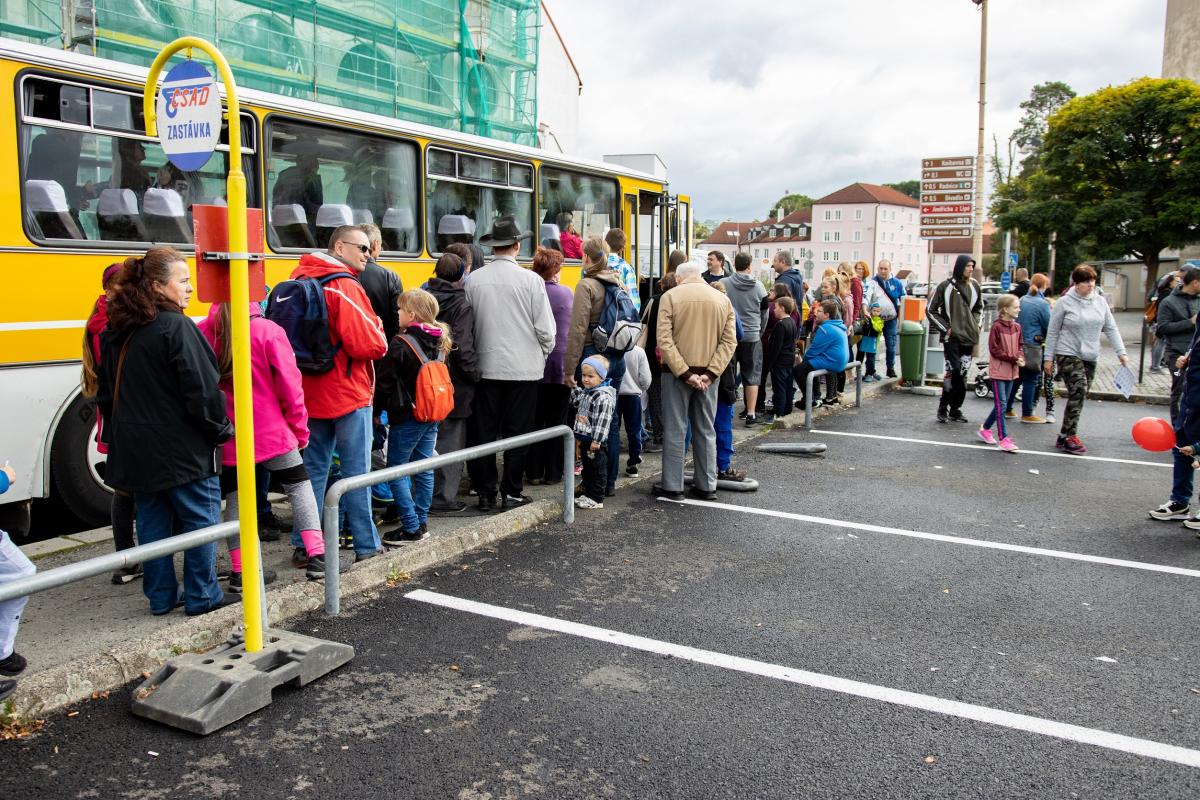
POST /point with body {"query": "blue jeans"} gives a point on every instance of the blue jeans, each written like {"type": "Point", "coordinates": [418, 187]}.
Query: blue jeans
{"type": "Point", "coordinates": [891, 339]}
{"type": "Point", "coordinates": [13, 565]}
{"type": "Point", "coordinates": [723, 425]}
{"type": "Point", "coordinates": [170, 512]}
{"type": "Point", "coordinates": [1031, 381]}
{"type": "Point", "coordinates": [629, 409]}
{"type": "Point", "coordinates": [1183, 479]}
{"type": "Point", "coordinates": [1001, 389]}
{"type": "Point", "coordinates": [411, 441]}
{"type": "Point", "coordinates": [350, 435]}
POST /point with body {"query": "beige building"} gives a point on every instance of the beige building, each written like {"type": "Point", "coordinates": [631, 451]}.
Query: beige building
{"type": "Point", "coordinates": [1181, 57]}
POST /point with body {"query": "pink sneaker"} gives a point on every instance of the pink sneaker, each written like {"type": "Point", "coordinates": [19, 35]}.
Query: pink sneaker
{"type": "Point", "coordinates": [987, 436]}
{"type": "Point", "coordinates": [1008, 445]}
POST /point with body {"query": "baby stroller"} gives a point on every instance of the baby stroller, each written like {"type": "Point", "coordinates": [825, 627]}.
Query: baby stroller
{"type": "Point", "coordinates": [983, 384]}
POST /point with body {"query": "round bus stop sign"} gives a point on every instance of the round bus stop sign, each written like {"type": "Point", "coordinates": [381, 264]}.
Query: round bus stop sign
{"type": "Point", "coordinates": [189, 115]}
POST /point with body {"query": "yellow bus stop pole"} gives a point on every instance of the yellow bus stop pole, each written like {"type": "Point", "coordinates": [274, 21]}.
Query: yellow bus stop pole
{"type": "Point", "coordinates": [239, 304]}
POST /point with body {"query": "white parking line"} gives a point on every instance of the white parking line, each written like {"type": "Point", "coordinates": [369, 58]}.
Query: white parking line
{"type": "Point", "coordinates": [816, 680]}
{"type": "Point", "coordinates": [941, 537]}
{"type": "Point", "coordinates": [993, 449]}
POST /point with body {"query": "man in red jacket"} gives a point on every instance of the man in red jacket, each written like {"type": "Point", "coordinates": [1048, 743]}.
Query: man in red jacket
{"type": "Point", "coordinates": [339, 401]}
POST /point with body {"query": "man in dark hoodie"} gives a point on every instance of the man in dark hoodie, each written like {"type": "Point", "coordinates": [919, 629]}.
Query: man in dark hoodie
{"type": "Point", "coordinates": [383, 289]}
{"type": "Point", "coordinates": [446, 286]}
{"type": "Point", "coordinates": [1175, 326]}
{"type": "Point", "coordinates": [954, 310]}
{"type": "Point", "coordinates": [749, 299]}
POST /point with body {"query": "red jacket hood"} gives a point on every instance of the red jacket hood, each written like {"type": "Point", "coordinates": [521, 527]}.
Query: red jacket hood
{"type": "Point", "coordinates": [318, 265]}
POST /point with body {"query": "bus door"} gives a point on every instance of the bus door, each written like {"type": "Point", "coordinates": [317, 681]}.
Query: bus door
{"type": "Point", "coordinates": [649, 230]}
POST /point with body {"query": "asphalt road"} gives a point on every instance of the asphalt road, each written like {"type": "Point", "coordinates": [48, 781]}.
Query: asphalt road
{"type": "Point", "coordinates": [470, 704]}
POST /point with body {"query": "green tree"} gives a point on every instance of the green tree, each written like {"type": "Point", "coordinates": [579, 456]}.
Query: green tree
{"type": "Point", "coordinates": [790, 203]}
{"type": "Point", "coordinates": [910, 188]}
{"type": "Point", "coordinates": [1044, 101]}
{"type": "Point", "coordinates": [1117, 173]}
{"type": "Point", "coordinates": [700, 231]}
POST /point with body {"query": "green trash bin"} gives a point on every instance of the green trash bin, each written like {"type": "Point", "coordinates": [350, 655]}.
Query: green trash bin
{"type": "Point", "coordinates": [912, 351]}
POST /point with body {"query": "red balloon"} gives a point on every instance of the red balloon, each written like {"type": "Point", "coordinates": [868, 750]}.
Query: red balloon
{"type": "Point", "coordinates": [1154, 434]}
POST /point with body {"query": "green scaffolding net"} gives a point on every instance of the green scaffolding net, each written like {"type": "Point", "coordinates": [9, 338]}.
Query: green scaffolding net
{"type": "Point", "coordinates": [468, 65]}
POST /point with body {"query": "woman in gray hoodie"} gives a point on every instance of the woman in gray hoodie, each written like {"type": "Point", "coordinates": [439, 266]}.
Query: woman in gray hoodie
{"type": "Point", "coordinates": [1073, 341]}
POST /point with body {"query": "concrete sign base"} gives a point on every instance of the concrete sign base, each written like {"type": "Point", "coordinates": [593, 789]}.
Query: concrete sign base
{"type": "Point", "coordinates": [204, 692]}
{"type": "Point", "coordinates": [798, 448]}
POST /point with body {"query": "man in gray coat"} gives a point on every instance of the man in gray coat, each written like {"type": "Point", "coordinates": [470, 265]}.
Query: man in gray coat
{"type": "Point", "coordinates": [1175, 325]}
{"type": "Point", "coordinates": [514, 332]}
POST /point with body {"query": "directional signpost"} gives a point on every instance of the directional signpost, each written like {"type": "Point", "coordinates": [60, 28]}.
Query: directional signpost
{"type": "Point", "coordinates": [947, 197]}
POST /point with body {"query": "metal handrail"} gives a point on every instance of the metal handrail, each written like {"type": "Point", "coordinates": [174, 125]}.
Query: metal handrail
{"type": "Point", "coordinates": [61, 576]}
{"type": "Point", "coordinates": [333, 497]}
{"type": "Point", "coordinates": [816, 373]}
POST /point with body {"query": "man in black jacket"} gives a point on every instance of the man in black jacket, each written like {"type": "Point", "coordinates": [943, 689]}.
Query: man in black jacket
{"type": "Point", "coordinates": [1175, 326]}
{"type": "Point", "coordinates": [955, 308]}
{"type": "Point", "coordinates": [454, 310]}
{"type": "Point", "coordinates": [383, 288]}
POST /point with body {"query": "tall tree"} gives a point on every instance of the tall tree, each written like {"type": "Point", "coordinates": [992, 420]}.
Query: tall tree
{"type": "Point", "coordinates": [1124, 164]}
{"type": "Point", "coordinates": [790, 203]}
{"type": "Point", "coordinates": [700, 231]}
{"type": "Point", "coordinates": [910, 188]}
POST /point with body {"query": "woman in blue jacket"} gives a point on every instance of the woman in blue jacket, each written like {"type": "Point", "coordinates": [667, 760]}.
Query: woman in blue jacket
{"type": "Point", "coordinates": [829, 348]}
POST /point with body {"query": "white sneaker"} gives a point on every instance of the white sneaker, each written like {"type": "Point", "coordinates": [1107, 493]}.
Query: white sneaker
{"type": "Point", "coordinates": [1049, 419]}
{"type": "Point", "coordinates": [1192, 523]}
{"type": "Point", "coordinates": [587, 502]}
{"type": "Point", "coordinates": [1171, 510]}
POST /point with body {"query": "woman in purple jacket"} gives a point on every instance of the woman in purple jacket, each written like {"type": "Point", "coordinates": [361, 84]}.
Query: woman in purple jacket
{"type": "Point", "coordinates": [544, 463]}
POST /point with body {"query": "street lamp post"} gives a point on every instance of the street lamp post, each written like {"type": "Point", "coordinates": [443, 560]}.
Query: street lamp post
{"type": "Point", "coordinates": [977, 237]}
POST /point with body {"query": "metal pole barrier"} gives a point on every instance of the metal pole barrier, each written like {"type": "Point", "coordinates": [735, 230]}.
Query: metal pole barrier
{"type": "Point", "coordinates": [808, 395]}
{"type": "Point", "coordinates": [333, 496]}
{"type": "Point", "coordinates": [61, 576]}
{"type": "Point", "coordinates": [858, 380]}
{"type": "Point", "coordinates": [569, 478]}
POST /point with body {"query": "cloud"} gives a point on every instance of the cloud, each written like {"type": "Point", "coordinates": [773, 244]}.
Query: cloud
{"type": "Point", "coordinates": [745, 101]}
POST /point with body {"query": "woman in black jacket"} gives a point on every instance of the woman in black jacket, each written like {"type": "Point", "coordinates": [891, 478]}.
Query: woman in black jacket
{"type": "Point", "coordinates": [166, 418]}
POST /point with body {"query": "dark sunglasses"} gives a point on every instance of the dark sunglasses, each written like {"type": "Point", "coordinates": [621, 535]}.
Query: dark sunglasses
{"type": "Point", "coordinates": [362, 248]}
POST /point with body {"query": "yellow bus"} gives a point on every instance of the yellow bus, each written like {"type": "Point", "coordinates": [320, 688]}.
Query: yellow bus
{"type": "Point", "coordinates": [88, 188]}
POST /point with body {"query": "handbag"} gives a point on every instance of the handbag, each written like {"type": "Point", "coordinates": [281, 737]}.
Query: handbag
{"type": "Point", "coordinates": [1033, 356]}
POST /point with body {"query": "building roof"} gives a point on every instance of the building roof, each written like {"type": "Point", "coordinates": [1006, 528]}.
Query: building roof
{"type": "Point", "coordinates": [960, 244]}
{"type": "Point", "coordinates": [868, 193]}
{"type": "Point", "coordinates": [728, 233]}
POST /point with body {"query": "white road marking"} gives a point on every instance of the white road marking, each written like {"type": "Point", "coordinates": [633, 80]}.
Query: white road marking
{"type": "Point", "coordinates": [816, 680]}
{"type": "Point", "coordinates": [993, 449]}
{"type": "Point", "coordinates": [941, 537]}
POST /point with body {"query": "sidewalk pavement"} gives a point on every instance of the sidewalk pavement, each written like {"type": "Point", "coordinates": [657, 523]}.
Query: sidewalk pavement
{"type": "Point", "coordinates": [92, 636]}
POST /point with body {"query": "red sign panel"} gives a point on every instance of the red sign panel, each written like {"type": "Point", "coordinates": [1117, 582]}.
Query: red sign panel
{"type": "Point", "coordinates": [212, 236]}
{"type": "Point", "coordinates": [947, 208]}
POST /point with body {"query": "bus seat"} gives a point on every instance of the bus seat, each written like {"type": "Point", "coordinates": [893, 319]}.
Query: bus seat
{"type": "Point", "coordinates": [47, 201]}
{"type": "Point", "coordinates": [330, 217]}
{"type": "Point", "coordinates": [455, 228]}
{"type": "Point", "coordinates": [399, 230]}
{"type": "Point", "coordinates": [548, 231]}
{"type": "Point", "coordinates": [362, 215]}
{"type": "Point", "coordinates": [165, 218]}
{"type": "Point", "coordinates": [291, 226]}
{"type": "Point", "coordinates": [118, 216]}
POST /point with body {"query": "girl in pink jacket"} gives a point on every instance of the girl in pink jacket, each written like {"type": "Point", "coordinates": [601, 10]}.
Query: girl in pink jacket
{"type": "Point", "coordinates": [280, 433]}
{"type": "Point", "coordinates": [1005, 358]}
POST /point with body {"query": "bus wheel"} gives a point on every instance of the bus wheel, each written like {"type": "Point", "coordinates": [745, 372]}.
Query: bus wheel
{"type": "Point", "coordinates": [77, 467]}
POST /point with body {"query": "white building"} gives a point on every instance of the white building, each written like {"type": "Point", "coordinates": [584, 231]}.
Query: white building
{"type": "Point", "coordinates": [791, 234]}
{"type": "Point", "coordinates": [728, 238]}
{"type": "Point", "coordinates": [865, 222]}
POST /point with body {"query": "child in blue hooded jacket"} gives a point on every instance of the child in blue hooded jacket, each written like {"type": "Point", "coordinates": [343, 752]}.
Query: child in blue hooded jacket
{"type": "Point", "coordinates": [829, 348]}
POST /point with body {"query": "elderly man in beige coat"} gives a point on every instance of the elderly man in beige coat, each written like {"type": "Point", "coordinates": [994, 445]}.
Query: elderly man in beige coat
{"type": "Point", "coordinates": [697, 337]}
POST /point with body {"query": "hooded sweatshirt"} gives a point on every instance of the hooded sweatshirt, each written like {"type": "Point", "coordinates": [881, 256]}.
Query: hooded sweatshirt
{"type": "Point", "coordinates": [748, 297]}
{"type": "Point", "coordinates": [1174, 321]}
{"type": "Point", "coordinates": [1075, 326]}
{"type": "Point", "coordinates": [456, 312]}
{"type": "Point", "coordinates": [585, 312]}
{"type": "Point", "coordinates": [355, 330]}
{"type": "Point", "coordinates": [830, 346]}
{"type": "Point", "coordinates": [956, 306]}
{"type": "Point", "coordinates": [280, 419]}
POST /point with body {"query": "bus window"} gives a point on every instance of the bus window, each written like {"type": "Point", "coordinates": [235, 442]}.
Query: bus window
{"type": "Point", "coordinates": [89, 173]}
{"type": "Point", "coordinates": [319, 178]}
{"type": "Point", "coordinates": [586, 203]}
{"type": "Point", "coordinates": [466, 193]}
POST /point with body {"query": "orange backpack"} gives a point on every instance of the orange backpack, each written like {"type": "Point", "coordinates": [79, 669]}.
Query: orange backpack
{"type": "Point", "coordinates": [433, 399]}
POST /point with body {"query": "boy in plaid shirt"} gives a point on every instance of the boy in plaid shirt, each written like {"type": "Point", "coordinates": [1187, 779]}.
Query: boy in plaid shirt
{"type": "Point", "coordinates": [595, 400]}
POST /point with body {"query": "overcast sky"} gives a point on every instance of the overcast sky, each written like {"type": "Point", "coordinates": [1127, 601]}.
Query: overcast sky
{"type": "Point", "coordinates": [746, 101]}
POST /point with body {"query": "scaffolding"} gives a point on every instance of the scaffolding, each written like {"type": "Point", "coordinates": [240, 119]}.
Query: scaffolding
{"type": "Point", "coordinates": [468, 65]}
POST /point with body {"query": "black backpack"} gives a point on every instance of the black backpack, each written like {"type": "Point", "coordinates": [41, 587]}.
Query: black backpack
{"type": "Point", "coordinates": [298, 306]}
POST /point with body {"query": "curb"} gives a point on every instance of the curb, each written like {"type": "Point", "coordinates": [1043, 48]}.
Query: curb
{"type": "Point", "coordinates": [84, 678]}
